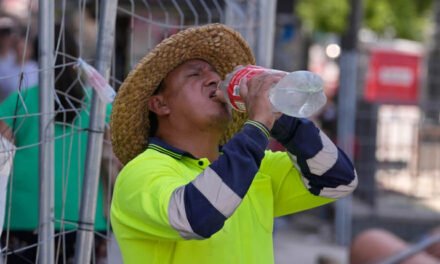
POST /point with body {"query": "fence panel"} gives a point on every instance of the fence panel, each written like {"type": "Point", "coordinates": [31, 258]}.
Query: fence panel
{"type": "Point", "coordinates": [140, 25]}
{"type": "Point", "coordinates": [397, 158]}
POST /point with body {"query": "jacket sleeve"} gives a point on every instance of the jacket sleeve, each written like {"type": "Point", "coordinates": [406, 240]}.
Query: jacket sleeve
{"type": "Point", "coordinates": [164, 204]}
{"type": "Point", "coordinates": [200, 208]}
{"type": "Point", "coordinates": [325, 169]}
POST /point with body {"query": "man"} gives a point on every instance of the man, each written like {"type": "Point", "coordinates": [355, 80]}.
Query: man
{"type": "Point", "coordinates": [181, 199]}
{"type": "Point", "coordinates": [8, 36]}
{"type": "Point", "coordinates": [19, 119]}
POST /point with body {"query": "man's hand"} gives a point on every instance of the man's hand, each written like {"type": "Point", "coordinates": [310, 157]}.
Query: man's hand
{"type": "Point", "coordinates": [255, 93]}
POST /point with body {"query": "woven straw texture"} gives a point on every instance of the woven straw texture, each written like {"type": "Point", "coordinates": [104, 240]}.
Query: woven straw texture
{"type": "Point", "coordinates": [217, 44]}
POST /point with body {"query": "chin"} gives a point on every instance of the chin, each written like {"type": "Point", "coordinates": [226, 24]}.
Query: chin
{"type": "Point", "coordinates": [220, 116]}
{"type": "Point", "coordinates": [227, 111]}
{"type": "Point", "coordinates": [227, 115]}
{"type": "Point", "coordinates": [221, 121]}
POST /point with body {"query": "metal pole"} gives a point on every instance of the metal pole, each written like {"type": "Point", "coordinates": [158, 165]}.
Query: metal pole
{"type": "Point", "coordinates": [347, 114]}
{"type": "Point", "coordinates": [46, 20]}
{"type": "Point", "coordinates": [432, 92]}
{"type": "Point", "coordinates": [106, 32]}
{"type": "Point", "coordinates": [409, 252]}
{"type": "Point", "coordinates": [234, 16]}
{"type": "Point", "coordinates": [266, 34]}
{"type": "Point", "coordinates": [229, 13]}
{"type": "Point", "coordinates": [255, 20]}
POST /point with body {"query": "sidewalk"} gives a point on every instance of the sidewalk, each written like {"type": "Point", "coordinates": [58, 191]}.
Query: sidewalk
{"type": "Point", "coordinates": [296, 243]}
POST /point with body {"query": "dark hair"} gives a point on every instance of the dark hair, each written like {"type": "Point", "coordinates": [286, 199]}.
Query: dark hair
{"type": "Point", "coordinates": [68, 90]}
{"type": "Point", "coordinates": [5, 32]}
{"type": "Point", "coordinates": [8, 24]}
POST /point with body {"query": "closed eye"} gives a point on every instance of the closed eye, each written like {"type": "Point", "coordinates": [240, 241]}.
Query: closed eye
{"type": "Point", "coordinates": [194, 74]}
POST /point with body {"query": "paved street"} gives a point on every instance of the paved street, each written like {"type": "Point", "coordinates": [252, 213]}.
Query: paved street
{"type": "Point", "coordinates": [295, 245]}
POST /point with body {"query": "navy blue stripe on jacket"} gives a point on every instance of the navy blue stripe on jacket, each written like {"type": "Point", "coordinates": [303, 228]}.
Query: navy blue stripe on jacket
{"type": "Point", "coordinates": [326, 170]}
{"type": "Point", "coordinates": [199, 209]}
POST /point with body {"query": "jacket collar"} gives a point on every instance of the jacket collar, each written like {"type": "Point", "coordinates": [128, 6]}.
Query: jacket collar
{"type": "Point", "coordinates": [163, 147]}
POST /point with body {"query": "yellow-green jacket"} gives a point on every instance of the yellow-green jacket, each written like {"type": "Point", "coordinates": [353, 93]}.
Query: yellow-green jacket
{"type": "Point", "coordinates": [171, 207]}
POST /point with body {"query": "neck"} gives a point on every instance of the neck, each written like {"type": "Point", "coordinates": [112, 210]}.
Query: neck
{"type": "Point", "coordinates": [201, 144]}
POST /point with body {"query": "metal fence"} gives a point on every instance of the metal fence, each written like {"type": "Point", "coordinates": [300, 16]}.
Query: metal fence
{"type": "Point", "coordinates": [112, 36]}
{"type": "Point", "coordinates": [396, 151]}
{"type": "Point", "coordinates": [399, 168]}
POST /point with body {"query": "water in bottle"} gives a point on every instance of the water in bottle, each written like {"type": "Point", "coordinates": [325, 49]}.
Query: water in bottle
{"type": "Point", "coordinates": [298, 94]}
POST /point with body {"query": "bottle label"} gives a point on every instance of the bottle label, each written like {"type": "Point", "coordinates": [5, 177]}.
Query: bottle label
{"type": "Point", "coordinates": [233, 88]}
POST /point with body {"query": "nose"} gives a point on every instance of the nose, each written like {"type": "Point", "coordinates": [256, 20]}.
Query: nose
{"type": "Point", "coordinates": [212, 79]}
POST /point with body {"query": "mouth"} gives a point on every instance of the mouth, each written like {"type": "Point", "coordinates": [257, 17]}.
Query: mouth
{"type": "Point", "coordinates": [212, 95]}
{"type": "Point", "coordinates": [218, 97]}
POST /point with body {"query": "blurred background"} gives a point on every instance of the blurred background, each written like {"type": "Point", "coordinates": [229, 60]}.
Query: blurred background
{"type": "Point", "coordinates": [380, 60]}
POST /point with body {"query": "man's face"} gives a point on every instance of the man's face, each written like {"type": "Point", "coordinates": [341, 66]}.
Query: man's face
{"type": "Point", "coordinates": [190, 94]}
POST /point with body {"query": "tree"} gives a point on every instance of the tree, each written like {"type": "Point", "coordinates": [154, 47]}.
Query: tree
{"type": "Point", "coordinates": [405, 18]}
{"type": "Point", "coordinates": [323, 16]}
{"type": "Point", "coordinates": [402, 19]}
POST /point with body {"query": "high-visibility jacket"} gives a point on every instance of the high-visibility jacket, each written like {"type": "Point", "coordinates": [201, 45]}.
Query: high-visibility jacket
{"type": "Point", "coordinates": [171, 207]}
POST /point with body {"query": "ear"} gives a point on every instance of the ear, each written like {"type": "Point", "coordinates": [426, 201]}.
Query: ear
{"type": "Point", "coordinates": [158, 105]}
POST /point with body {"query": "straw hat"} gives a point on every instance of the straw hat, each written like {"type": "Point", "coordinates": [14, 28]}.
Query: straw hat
{"type": "Point", "coordinates": [219, 45]}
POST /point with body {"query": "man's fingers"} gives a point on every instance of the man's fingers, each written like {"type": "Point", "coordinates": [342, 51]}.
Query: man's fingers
{"type": "Point", "coordinates": [264, 82]}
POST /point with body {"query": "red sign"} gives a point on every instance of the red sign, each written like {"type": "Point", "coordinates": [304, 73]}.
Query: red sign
{"type": "Point", "coordinates": [393, 77]}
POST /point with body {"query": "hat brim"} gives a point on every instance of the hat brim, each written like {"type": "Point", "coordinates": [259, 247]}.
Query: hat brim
{"type": "Point", "coordinates": [219, 45]}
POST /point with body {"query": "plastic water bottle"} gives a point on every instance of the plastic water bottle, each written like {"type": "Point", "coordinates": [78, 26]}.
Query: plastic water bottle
{"type": "Point", "coordinates": [298, 93]}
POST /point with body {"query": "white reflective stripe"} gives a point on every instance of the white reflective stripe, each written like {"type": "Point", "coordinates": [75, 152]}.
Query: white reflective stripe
{"type": "Point", "coordinates": [341, 190]}
{"type": "Point", "coordinates": [325, 158]}
{"type": "Point", "coordinates": [337, 192]}
{"type": "Point", "coordinates": [177, 215]}
{"type": "Point", "coordinates": [294, 160]}
{"type": "Point", "coordinates": [223, 198]}
{"type": "Point", "coordinates": [305, 181]}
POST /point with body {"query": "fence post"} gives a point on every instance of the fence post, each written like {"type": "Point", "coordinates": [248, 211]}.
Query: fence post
{"type": "Point", "coordinates": [347, 114]}
{"type": "Point", "coordinates": [244, 16]}
{"type": "Point", "coordinates": [266, 34]}
{"type": "Point", "coordinates": [46, 18]}
{"type": "Point", "coordinates": [106, 32]}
